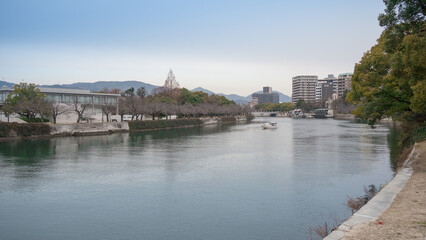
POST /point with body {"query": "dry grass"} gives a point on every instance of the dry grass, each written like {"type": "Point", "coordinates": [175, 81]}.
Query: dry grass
{"type": "Point", "coordinates": [323, 230]}
{"type": "Point", "coordinates": [354, 204]}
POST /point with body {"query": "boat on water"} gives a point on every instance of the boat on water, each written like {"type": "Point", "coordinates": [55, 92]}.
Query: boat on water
{"type": "Point", "coordinates": [268, 125]}
{"type": "Point", "coordinates": [297, 113]}
{"type": "Point", "coordinates": [323, 113]}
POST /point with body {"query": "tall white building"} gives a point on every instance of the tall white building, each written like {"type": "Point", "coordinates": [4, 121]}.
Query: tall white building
{"type": "Point", "coordinates": [303, 87]}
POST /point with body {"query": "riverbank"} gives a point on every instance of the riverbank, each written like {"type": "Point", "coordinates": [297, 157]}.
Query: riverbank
{"type": "Point", "coordinates": [344, 116]}
{"type": "Point", "coordinates": [10, 131]}
{"type": "Point", "coordinates": [398, 211]}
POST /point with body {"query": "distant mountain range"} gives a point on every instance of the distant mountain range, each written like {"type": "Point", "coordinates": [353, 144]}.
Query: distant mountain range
{"type": "Point", "coordinates": [98, 86]}
{"type": "Point", "coordinates": [124, 85]}
{"type": "Point", "coordinates": [240, 99]}
{"type": "Point", "coordinates": [7, 84]}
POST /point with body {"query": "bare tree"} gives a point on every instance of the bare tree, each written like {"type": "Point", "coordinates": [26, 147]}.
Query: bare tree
{"type": "Point", "coordinates": [247, 109]}
{"type": "Point", "coordinates": [133, 104]}
{"type": "Point", "coordinates": [141, 107]}
{"type": "Point", "coordinates": [170, 82]}
{"type": "Point", "coordinates": [107, 109]}
{"type": "Point", "coordinates": [122, 107]}
{"type": "Point", "coordinates": [154, 109]}
{"type": "Point", "coordinates": [37, 106]}
{"type": "Point", "coordinates": [57, 109]}
{"type": "Point", "coordinates": [168, 109]}
{"type": "Point", "coordinates": [79, 108]}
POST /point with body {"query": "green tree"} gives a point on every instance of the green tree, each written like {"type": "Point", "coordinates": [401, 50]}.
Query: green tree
{"type": "Point", "coordinates": [305, 106]}
{"type": "Point", "coordinates": [129, 92]}
{"type": "Point", "coordinates": [277, 107]}
{"type": "Point", "coordinates": [27, 101]}
{"type": "Point", "coordinates": [300, 103]}
{"type": "Point", "coordinates": [389, 81]}
{"type": "Point", "coordinates": [219, 100]}
{"type": "Point", "coordinates": [191, 98]}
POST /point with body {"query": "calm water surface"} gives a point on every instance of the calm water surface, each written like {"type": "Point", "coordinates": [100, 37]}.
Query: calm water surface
{"type": "Point", "coordinates": [211, 182]}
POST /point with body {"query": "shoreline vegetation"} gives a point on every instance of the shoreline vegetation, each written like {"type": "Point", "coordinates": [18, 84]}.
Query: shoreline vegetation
{"type": "Point", "coordinates": [14, 131]}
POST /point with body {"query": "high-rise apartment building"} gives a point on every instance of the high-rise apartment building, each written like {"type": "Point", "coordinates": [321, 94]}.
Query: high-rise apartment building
{"type": "Point", "coordinates": [303, 87]}
{"type": "Point", "coordinates": [322, 89]}
{"type": "Point", "coordinates": [342, 83]}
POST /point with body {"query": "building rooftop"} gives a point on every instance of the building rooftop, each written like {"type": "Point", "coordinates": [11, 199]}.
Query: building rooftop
{"type": "Point", "coordinates": [63, 91]}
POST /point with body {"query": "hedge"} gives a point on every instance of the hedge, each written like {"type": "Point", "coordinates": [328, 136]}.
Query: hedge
{"type": "Point", "coordinates": [250, 117]}
{"type": "Point", "coordinates": [37, 120]}
{"type": "Point", "coordinates": [157, 124]}
{"type": "Point", "coordinates": [23, 129]}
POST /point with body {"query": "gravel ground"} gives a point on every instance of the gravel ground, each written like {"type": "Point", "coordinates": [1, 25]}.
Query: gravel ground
{"type": "Point", "coordinates": [406, 217]}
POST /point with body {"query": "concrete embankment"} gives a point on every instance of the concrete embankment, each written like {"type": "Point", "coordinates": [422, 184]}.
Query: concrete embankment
{"type": "Point", "coordinates": [216, 120]}
{"type": "Point", "coordinates": [344, 117]}
{"type": "Point", "coordinates": [107, 128]}
{"type": "Point", "coordinates": [24, 130]}
{"type": "Point", "coordinates": [81, 129]}
{"type": "Point", "coordinates": [398, 211]}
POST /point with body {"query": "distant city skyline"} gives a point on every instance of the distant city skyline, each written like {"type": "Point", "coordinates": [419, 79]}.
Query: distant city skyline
{"type": "Point", "coordinates": [224, 46]}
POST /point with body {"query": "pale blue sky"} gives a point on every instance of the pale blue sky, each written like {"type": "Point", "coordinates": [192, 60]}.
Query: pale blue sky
{"type": "Point", "coordinates": [225, 46]}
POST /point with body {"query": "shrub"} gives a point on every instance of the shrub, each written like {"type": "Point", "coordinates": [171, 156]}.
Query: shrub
{"type": "Point", "coordinates": [4, 129]}
{"type": "Point", "coordinates": [250, 117]}
{"type": "Point", "coordinates": [24, 129]}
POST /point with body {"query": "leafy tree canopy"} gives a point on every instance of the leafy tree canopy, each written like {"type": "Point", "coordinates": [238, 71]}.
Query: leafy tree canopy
{"type": "Point", "coordinates": [278, 107]}
{"type": "Point", "coordinates": [193, 98]}
{"type": "Point", "coordinates": [389, 81]}
{"type": "Point", "coordinates": [27, 101]}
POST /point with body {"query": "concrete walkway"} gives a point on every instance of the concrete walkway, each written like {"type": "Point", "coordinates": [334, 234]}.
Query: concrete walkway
{"type": "Point", "coordinates": [376, 206]}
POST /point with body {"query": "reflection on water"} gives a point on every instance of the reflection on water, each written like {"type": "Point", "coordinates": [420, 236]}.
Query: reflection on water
{"type": "Point", "coordinates": [211, 182]}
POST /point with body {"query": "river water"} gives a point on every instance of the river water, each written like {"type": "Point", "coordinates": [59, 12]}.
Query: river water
{"type": "Point", "coordinates": [211, 182]}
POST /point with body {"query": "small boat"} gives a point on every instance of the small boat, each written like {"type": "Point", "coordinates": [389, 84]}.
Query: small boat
{"type": "Point", "coordinates": [268, 125]}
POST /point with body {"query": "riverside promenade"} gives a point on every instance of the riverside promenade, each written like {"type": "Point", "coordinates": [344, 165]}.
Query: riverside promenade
{"type": "Point", "coordinates": [398, 211]}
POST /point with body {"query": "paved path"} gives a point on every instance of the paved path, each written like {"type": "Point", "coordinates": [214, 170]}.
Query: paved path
{"type": "Point", "coordinates": [368, 216]}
